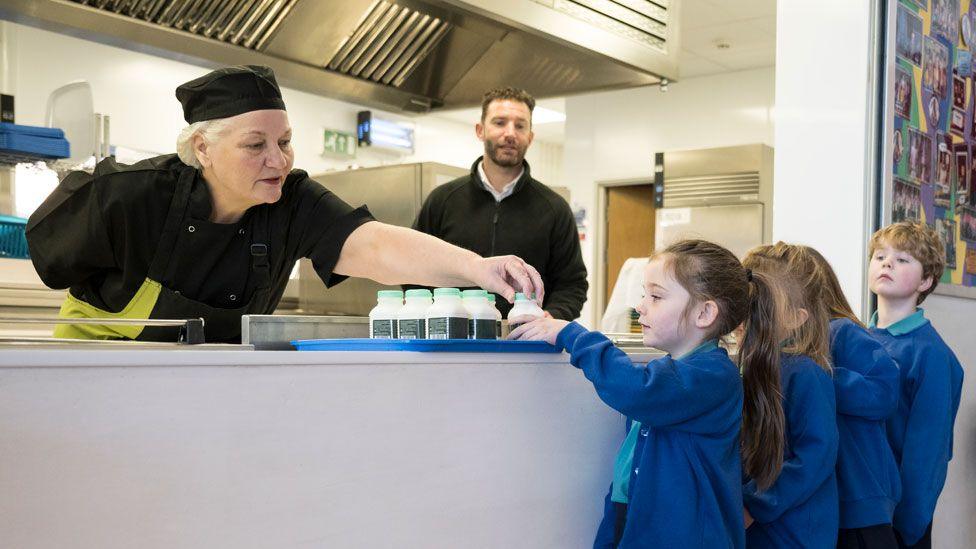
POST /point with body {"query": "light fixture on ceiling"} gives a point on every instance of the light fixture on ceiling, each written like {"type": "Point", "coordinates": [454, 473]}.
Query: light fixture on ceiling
{"type": "Point", "coordinates": [542, 115]}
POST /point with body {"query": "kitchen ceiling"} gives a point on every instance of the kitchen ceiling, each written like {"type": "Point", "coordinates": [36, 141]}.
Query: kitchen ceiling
{"type": "Point", "coordinates": [748, 27]}
{"type": "Point", "coordinates": [409, 55]}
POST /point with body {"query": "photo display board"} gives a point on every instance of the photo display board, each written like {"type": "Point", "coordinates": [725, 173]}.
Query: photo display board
{"type": "Point", "coordinates": [930, 128]}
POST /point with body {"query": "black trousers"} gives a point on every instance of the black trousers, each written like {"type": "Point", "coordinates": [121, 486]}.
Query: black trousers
{"type": "Point", "coordinates": [620, 523]}
{"type": "Point", "coordinates": [924, 543]}
{"type": "Point", "coordinates": [881, 536]}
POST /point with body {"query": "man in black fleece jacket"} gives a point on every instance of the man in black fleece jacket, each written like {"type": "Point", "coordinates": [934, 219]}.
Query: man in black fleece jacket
{"type": "Point", "coordinates": [499, 209]}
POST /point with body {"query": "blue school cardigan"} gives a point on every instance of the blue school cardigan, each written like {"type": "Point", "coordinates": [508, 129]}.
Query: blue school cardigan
{"type": "Point", "coordinates": [685, 490]}
{"type": "Point", "coordinates": [866, 383]}
{"type": "Point", "coordinates": [800, 508]}
{"type": "Point", "coordinates": [920, 431]}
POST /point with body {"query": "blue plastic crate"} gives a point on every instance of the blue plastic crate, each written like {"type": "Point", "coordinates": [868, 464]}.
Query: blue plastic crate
{"type": "Point", "coordinates": [13, 239]}
{"type": "Point", "coordinates": [27, 143]}
{"type": "Point", "coordinates": [426, 345]}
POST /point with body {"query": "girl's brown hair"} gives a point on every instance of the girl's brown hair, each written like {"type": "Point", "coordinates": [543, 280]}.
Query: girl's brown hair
{"type": "Point", "coordinates": [814, 269]}
{"type": "Point", "coordinates": [797, 286]}
{"type": "Point", "coordinates": [794, 273]}
{"type": "Point", "coordinates": [710, 272]}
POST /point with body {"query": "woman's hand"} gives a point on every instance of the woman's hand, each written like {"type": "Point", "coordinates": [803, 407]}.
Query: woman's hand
{"type": "Point", "coordinates": [507, 274]}
{"type": "Point", "coordinates": [748, 518]}
{"type": "Point", "coordinates": [397, 255]}
{"type": "Point", "coordinates": [540, 329]}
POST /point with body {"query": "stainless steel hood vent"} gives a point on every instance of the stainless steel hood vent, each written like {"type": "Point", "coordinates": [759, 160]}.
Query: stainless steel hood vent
{"type": "Point", "coordinates": [398, 55]}
{"type": "Point", "coordinates": [639, 20]}
{"type": "Point", "coordinates": [389, 43]}
{"type": "Point", "coordinates": [247, 23]}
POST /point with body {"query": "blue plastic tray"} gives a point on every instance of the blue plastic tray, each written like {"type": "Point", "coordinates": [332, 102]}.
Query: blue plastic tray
{"type": "Point", "coordinates": [426, 345]}
{"type": "Point", "coordinates": [13, 240]}
{"type": "Point", "coordinates": [39, 131]}
{"type": "Point", "coordinates": [33, 141]}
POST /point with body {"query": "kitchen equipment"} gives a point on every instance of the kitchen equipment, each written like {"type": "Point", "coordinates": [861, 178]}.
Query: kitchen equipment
{"type": "Point", "coordinates": [13, 240]}
{"type": "Point", "coordinates": [191, 330]}
{"type": "Point", "coordinates": [724, 195]}
{"type": "Point", "coordinates": [401, 55]}
{"type": "Point", "coordinates": [276, 332]}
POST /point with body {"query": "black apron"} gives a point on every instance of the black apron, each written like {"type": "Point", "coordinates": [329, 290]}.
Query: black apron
{"type": "Point", "coordinates": [220, 325]}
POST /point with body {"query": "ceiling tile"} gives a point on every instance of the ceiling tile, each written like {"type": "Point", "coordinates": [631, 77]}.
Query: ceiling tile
{"type": "Point", "coordinates": [741, 37]}
{"type": "Point", "coordinates": [691, 65]}
{"type": "Point", "coordinates": [766, 24]}
{"type": "Point", "coordinates": [701, 13]}
{"type": "Point", "coordinates": [743, 9]}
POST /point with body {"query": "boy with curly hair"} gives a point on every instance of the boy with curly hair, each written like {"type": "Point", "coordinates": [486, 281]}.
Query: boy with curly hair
{"type": "Point", "coordinates": [907, 260]}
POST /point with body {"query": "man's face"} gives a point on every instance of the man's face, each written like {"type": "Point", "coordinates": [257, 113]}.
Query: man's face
{"type": "Point", "coordinates": [506, 132]}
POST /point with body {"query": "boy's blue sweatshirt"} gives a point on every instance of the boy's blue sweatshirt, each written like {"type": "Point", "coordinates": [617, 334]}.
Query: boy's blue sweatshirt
{"type": "Point", "coordinates": [866, 384]}
{"type": "Point", "coordinates": [685, 490]}
{"type": "Point", "coordinates": [920, 431]}
{"type": "Point", "coordinates": [800, 508]}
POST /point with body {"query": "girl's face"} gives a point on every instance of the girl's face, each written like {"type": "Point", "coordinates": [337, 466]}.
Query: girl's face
{"type": "Point", "coordinates": [663, 309]}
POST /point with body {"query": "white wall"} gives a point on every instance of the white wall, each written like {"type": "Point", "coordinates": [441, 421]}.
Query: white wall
{"type": "Point", "coordinates": [821, 117]}
{"type": "Point", "coordinates": [821, 120]}
{"type": "Point", "coordinates": [614, 135]}
{"type": "Point", "coordinates": [137, 91]}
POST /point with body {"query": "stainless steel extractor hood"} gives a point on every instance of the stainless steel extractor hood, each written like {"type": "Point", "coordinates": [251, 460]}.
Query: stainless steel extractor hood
{"type": "Point", "coordinates": [401, 55]}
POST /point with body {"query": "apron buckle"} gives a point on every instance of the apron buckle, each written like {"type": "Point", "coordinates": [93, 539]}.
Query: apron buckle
{"type": "Point", "coordinates": [259, 249]}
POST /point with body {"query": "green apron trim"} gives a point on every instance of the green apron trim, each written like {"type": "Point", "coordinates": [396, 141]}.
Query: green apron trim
{"type": "Point", "coordinates": [139, 307]}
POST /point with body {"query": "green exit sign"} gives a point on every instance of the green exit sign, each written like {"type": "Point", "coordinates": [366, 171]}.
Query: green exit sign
{"type": "Point", "coordinates": [338, 143]}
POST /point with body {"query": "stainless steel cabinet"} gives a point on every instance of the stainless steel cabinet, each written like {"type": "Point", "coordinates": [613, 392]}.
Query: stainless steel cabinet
{"type": "Point", "coordinates": [394, 195]}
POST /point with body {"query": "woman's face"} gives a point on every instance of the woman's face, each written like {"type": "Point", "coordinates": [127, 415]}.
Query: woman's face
{"type": "Point", "coordinates": [248, 164]}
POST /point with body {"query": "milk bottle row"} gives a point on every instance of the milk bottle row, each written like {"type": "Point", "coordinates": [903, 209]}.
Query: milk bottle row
{"type": "Point", "coordinates": [452, 314]}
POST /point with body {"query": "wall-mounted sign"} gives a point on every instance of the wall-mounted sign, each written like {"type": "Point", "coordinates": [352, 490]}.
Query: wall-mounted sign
{"type": "Point", "coordinates": [391, 135]}
{"type": "Point", "coordinates": [338, 143]}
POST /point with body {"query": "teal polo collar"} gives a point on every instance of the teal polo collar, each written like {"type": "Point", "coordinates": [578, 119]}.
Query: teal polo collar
{"type": "Point", "coordinates": [904, 326]}
{"type": "Point", "coordinates": [705, 347]}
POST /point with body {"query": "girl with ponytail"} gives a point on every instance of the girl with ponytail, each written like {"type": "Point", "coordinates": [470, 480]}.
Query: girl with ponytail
{"type": "Point", "coordinates": [866, 383]}
{"type": "Point", "coordinates": [677, 480]}
{"type": "Point", "coordinates": [789, 428]}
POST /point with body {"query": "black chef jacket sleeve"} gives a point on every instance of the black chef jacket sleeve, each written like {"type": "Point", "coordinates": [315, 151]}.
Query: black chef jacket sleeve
{"type": "Point", "coordinates": [68, 236]}
{"type": "Point", "coordinates": [321, 224]}
{"type": "Point", "coordinates": [566, 274]}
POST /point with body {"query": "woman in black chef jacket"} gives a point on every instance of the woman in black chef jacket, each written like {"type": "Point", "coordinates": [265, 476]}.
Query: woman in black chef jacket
{"type": "Point", "coordinates": [213, 231]}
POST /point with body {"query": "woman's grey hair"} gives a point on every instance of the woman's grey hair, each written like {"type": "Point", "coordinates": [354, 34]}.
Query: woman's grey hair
{"type": "Point", "coordinates": [210, 130]}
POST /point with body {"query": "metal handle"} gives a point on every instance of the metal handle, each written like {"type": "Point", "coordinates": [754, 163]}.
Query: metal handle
{"type": "Point", "coordinates": [191, 329]}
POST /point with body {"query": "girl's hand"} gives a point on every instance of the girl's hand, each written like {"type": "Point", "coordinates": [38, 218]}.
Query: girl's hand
{"type": "Point", "coordinates": [748, 518]}
{"type": "Point", "coordinates": [540, 329]}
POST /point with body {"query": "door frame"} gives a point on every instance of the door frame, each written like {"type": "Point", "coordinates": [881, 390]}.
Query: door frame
{"type": "Point", "coordinates": [600, 246]}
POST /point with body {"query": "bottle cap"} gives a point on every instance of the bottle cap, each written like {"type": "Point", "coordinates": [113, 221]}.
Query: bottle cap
{"type": "Point", "coordinates": [447, 292]}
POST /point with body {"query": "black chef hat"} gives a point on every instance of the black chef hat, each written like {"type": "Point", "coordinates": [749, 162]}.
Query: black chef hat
{"type": "Point", "coordinates": [228, 92]}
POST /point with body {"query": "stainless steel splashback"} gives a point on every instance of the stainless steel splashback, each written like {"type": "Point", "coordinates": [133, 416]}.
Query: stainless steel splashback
{"type": "Point", "coordinates": [394, 195]}
{"type": "Point", "coordinates": [410, 55]}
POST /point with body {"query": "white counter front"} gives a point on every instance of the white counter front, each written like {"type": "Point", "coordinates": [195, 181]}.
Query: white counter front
{"type": "Point", "coordinates": [238, 449]}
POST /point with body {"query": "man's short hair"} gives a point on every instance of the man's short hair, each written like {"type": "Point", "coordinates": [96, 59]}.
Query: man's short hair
{"type": "Point", "coordinates": [918, 240]}
{"type": "Point", "coordinates": [510, 93]}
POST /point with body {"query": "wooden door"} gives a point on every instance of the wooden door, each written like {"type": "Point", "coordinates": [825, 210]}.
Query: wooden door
{"type": "Point", "coordinates": [630, 228]}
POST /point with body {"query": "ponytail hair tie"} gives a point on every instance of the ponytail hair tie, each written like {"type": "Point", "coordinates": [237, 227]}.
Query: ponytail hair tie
{"type": "Point", "coordinates": [749, 275]}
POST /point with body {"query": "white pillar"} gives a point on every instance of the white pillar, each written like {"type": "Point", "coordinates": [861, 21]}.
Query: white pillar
{"type": "Point", "coordinates": [823, 164]}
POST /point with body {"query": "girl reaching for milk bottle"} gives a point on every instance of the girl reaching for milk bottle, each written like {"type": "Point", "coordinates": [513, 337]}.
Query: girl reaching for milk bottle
{"type": "Point", "coordinates": [677, 480]}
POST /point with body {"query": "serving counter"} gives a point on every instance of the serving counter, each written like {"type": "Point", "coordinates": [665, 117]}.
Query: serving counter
{"type": "Point", "coordinates": [234, 448]}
